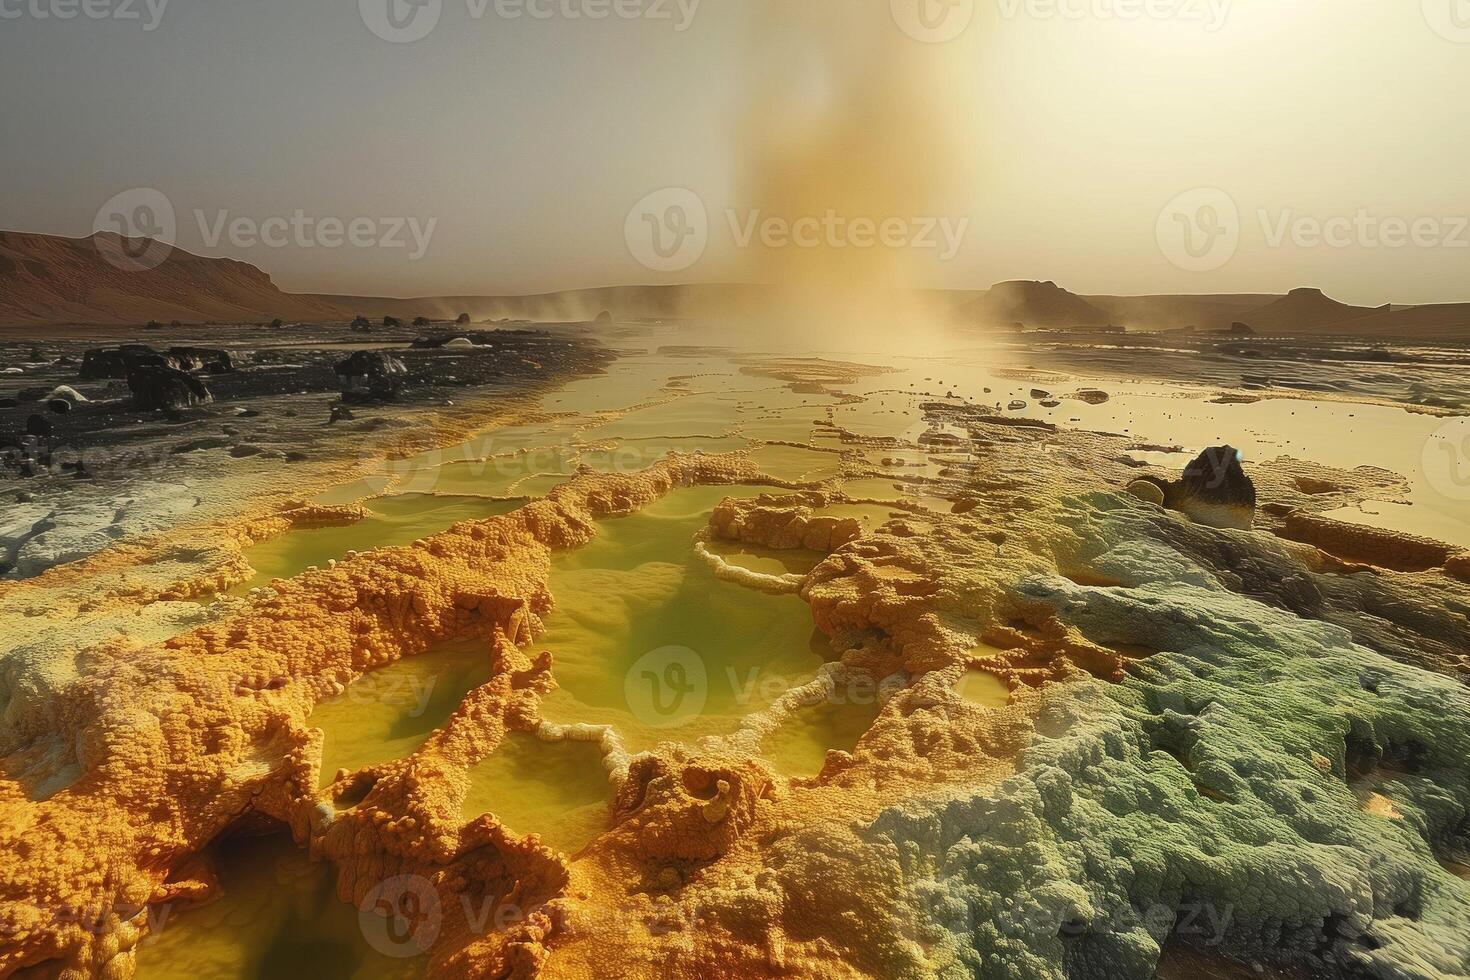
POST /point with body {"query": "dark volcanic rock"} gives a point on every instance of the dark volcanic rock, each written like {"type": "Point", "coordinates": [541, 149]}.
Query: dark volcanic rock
{"type": "Point", "coordinates": [1216, 477]}
{"type": "Point", "coordinates": [371, 375]}
{"type": "Point", "coordinates": [156, 387]}
{"type": "Point", "coordinates": [438, 340]}
{"type": "Point", "coordinates": [210, 360]}
{"type": "Point", "coordinates": [1214, 490]}
{"type": "Point", "coordinates": [118, 362]}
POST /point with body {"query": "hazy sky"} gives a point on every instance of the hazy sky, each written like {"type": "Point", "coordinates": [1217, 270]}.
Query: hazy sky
{"type": "Point", "coordinates": [1048, 136]}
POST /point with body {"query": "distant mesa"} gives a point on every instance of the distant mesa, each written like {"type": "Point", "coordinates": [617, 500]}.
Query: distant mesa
{"type": "Point", "coordinates": [1033, 305]}
{"type": "Point", "coordinates": [53, 280]}
{"type": "Point", "coordinates": [70, 280]}
{"type": "Point", "coordinates": [1306, 310]}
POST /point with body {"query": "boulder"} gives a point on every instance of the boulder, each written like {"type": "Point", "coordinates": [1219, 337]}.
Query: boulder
{"type": "Point", "coordinates": [158, 387]}
{"type": "Point", "coordinates": [63, 399]}
{"type": "Point", "coordinates": [1149, 491]}
{"type": "Point", "coordinates": [67, 392]}
{"type": "Point", "coordinates": [1213, 490]}
{"type": "Point", "coordinates": [117, 362]}
{"type": "Point", "coordinates": [370, 375]}
{"type": "Point", "coordinates": [209, 360]}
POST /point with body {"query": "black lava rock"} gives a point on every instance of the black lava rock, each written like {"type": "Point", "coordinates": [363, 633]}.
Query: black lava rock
{"type": "Point", "coordinates": [1213, 490]}
{"type": "Point", "coordinates": [1216, 477]}
{"type": "Point", "coordinates": [118, 362]}
{"type": "Point", "coordinates": [156, 387]}
{"type": "Point", "coordinates": [370, 375]}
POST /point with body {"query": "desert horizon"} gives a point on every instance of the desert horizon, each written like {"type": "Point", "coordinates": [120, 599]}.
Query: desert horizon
{"type": "Point", "coordinates": [925, 490]}
{"type": "Point", "coordinates": [1034, 304]}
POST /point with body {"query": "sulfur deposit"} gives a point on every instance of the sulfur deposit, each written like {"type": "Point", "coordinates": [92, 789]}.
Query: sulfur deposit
{"type": "Point", "coordinates": [1218, 734]}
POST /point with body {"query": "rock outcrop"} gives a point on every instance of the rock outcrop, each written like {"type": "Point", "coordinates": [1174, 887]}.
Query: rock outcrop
{"type": "Point", "coordinates": [1214, 490]}
{"type": "Point", "coordinates": [370, 375]}
{"type": "Point", "coordinates": [118, 362]}
{"type": "Point", "coordinates": [166, 388]}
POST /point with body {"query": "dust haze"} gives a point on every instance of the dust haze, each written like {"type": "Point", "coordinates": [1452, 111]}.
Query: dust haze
{"type": "Point", "coordinates": [852, 120]}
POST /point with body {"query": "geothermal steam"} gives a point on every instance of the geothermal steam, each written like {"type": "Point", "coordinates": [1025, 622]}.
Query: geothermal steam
{"type": "Point", "coordinates": [854, 120]}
